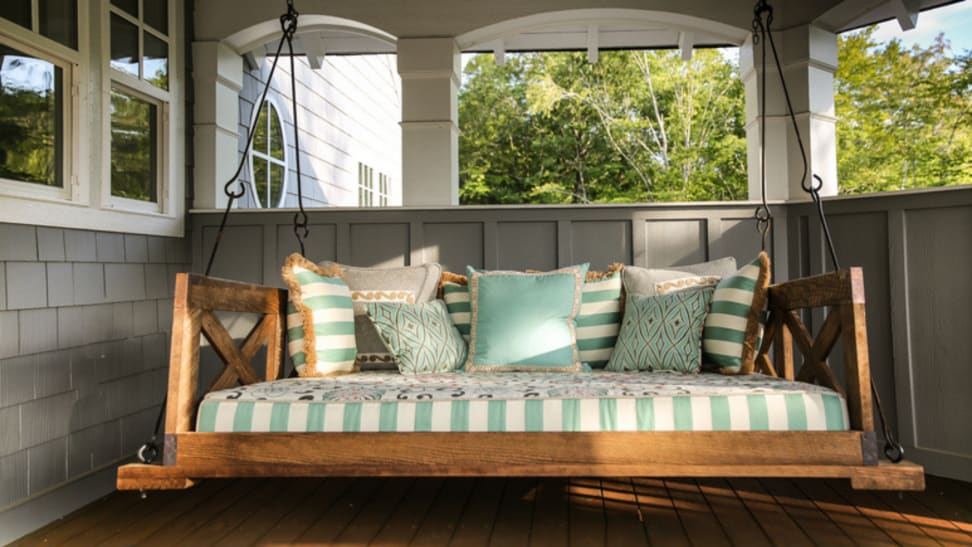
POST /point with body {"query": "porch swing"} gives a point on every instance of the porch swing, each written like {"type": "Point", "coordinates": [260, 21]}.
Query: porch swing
{"type": "Point", "coordinates": [853, 454]}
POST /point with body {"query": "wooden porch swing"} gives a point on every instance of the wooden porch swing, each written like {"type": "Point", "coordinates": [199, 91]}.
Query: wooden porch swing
{"type": "Point", "coordinates": [854, 454]}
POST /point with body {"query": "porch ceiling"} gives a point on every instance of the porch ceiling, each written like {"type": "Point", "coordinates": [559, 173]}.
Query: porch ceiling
{"type": "Point", "coordinates": [219, 19]}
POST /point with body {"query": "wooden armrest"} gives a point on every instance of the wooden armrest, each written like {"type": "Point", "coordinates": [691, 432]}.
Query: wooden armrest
{"type": "Point", "coordinates": [197, 297]}
{"type": "Point", "coordinates": [842, 293]}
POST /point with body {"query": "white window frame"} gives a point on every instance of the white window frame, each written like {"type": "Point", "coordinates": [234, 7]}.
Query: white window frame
{"type": "Point", "coordinates": [144, 90]}
{"type": "Point", "coordinates": [272, 103]}
{"type": "Point", "coordinates": [85, 202]}
{"type": "Point", "coordinates": [32, 42]}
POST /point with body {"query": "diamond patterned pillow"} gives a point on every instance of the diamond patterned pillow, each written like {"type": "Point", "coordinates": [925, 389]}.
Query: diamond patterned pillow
{"type": "Point", "coordinates": [421, 337]}
{"type": "Point", "coordinates": [662, 332]}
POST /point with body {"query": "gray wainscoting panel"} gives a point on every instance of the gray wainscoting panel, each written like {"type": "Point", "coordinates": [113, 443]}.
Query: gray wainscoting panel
{"type": "Point", "coordinates": [527, 245]}
{"type": "Point", "coordinates": [455, 245]}
{"type": "Point", "coordinates": [675, 242]}
{"type": "Point", "coordinates": [240, 255]}
{"type": "Point", "coordinates": [600, 242]}
{"type": "Point", "coordinates": [321, 243]}
{"type": "Point", "coordinates": [738, 238]}
{"type": "Point", "coordinates": [379, 245]}
{"type": "Point", "coordinates": [939, 296]}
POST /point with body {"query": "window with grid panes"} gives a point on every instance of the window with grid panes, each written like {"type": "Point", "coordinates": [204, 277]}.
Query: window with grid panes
{"type": "Point", "coordinates": [268, 158]}
{"type": "Point", "coordinates": [140, 46]}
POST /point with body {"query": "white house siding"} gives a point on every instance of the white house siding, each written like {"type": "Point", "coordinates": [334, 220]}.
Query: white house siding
{"type": "Point", "coordinates": [349, 112]}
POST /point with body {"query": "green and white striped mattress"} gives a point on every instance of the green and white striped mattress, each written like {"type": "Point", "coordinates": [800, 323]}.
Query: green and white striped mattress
{"type": "Point", "coordinates": [379, 401]}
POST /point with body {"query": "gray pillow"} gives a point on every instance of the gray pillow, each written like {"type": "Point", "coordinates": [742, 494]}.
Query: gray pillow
{"type": "Point", "coordinates": [642, 280]}
{"type": "Point", "coordinates": [409, 284]}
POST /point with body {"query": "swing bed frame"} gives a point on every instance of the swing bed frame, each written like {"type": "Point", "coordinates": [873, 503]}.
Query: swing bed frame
{"type": "Point", "coordinates": [189, 456]}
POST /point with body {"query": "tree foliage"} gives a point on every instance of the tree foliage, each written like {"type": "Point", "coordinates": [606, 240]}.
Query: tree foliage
{"type": "Point", "coordinates": [636, 126]}
{"type": "Point", "coordinates": [904, 115]}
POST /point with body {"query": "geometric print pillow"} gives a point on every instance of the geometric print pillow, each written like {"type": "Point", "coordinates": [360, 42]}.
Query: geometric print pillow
{"type": "Point", "coordinates": [421, 337]}
{"type": "Point", "coordinates": [733, 327]}
{"type": "Point", "coordinates": [320, 319]}
{"type": "Point", "coordinates": [662, 332]}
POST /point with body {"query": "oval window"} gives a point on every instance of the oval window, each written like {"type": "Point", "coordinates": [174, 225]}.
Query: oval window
{"type": "Point", "coordinates": [268, 157]}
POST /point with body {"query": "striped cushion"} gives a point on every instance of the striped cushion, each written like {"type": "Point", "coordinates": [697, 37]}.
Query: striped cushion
{"type": "Point", "coordinates": [456, 298]}
{"type": "Point", "coordinates": [732, 328]}
{"type": "Point", "coordinates": [599, 319]}
{"type": "Point", "coordinates": [320, 320]}
{"type": "Point", "coordinates": [600, 401]}
{"type": "Point", "coordinates": [597, 323]}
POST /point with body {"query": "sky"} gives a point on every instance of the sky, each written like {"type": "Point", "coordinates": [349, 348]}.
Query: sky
{"type": "Point", "coordinates": [954, 20]}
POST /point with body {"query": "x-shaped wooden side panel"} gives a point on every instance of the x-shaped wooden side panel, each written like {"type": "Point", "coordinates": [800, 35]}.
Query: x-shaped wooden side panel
{"type": "Point", "coordinates": [815, 352]}
{"type": "Point", "coordinates": [236, 360]}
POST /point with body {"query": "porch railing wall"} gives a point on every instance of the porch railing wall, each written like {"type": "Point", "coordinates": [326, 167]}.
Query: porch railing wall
{"type": "Point", "coordinates": [915, 248]}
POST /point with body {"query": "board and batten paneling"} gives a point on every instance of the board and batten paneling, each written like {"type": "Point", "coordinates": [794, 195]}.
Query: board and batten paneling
{"type": "Point", "coordinates": [256, 243]}
{"type": "Point", "coordinates": [916, 252]}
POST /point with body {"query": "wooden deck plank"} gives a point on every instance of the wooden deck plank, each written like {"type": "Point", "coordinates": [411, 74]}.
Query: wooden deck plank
{"type": "Point", "coordinates": [887, 519]}
{"type": "Point", "coordinates": [695, 514]}
{"type": "Point", "coordinates": [227, 521]}
{"type": "Point", "coordinates": [180, 528]}
{"type": "Point", "coordinates": [440, 522]}
{"type": "Point", "coordinates": [333, 522]}
{"type": "Point", "coordinates": [735, 518]}
{"type": "Point", "coordinates": [291, 525]}
{"type": "Point", "coordinates": [623, 521]}
{"type": "Point", "coordinates": [662, 523]}
{"type": "Point", "coordinates": [814, 522]}
{"type": "Point", "coordinates": [407, 517]}
{"type": "Point", "coordinates": [550, 524]}
{"type": "Point", "coordinates": [854, 524]}
{"type": "Point", "coordinates": [185, 501]}
{"type": "Point", "coordinates": [375, 513]}
{"type": "Point", "coordinates": [586, 525]}
{"type": "Point", "coordinates": [949, 500]}
{"type": "Point", "coordinates": [942, 530]}
{"type": "Point", "coordinates": [257, 523]}
{"type": "Point", "coordinates": [512, 524]}
{"type": "Point", "coordinates": [776, 523]}
{"type": "Point", "coordinates": [63, 530]}
{"type": "Point", "coordinates": [477, 518]}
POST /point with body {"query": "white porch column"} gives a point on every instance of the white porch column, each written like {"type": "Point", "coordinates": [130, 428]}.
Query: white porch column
{"type": "Point", "coordinates": [809, 58]}
{"type": "Point", "coordinates": [430, 70]}
{"type": "Point", "coordinates": [217, 78]}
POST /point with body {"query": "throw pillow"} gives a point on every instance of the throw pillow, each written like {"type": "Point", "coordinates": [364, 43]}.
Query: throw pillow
{"type": "Point", "coordinates": [421, 337]}
{"type": "Point", "coordinates": [600, 317]}
{"type": "Point", "coordinates": [524, 321]}
{"type": "Point", "coordinates": [686, 284]}
{"type": "Point", "coordinates": [320, 319]}
{"type": "Point", "coordinates": [597, 322]}
{"type": "Point", "coordinates": [662, 332]}
{"type": "Point", "coordinates": [410, 284]}
{"type": "Point", "coordinates": [733, 327]}
{"type": "Point", "coordinates": [642, 280]}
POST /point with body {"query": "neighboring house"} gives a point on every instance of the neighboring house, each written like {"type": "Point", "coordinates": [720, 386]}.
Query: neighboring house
{"type": "Point", "coordinates": [350, 139]}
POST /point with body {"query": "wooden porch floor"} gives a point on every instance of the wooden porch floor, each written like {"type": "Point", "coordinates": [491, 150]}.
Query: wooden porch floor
{"type": "Point", "coordinates": [512, 512]}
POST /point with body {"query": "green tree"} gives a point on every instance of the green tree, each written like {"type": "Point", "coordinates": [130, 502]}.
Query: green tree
{"type": "Point", "coordinates": [636, 126]}
{"type": "Point", "coordinates": [903, 115]}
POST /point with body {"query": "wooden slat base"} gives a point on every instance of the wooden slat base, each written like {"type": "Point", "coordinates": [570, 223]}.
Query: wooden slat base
{"type": "Point", "coordinates": [886, 476]}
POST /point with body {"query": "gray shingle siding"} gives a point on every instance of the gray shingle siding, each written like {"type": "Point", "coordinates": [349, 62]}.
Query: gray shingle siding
{"type": "Point", "coordinates": [84, 321]}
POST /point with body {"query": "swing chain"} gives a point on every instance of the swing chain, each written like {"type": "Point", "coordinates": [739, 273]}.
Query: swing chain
{"type": "Point", "coordinates": [893, 450]}
{"type": "Point", "coordinates": [288, 23]}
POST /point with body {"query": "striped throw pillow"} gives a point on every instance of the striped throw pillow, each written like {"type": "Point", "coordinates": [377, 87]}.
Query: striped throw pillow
{"type": "Point", "coordinates": [733, 327]}
{"type": "Point", "coordinates": [320, 320]}
{"type": "Point", "coordinates": [599, 319]}
{"type": "Point", "coordinates": [456, 297]}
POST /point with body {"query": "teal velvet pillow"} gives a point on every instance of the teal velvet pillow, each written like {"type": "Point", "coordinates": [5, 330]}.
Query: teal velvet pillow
{"type": "Point", "coordinates": [662, 332]}
{"type": "Point", "coordinates": [524, 321]}
{"type": "Point", "coordinates": [421, 337]}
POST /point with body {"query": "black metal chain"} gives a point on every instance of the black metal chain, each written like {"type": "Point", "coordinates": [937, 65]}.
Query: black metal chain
{"type": "Point", "coordinates": [288, 25]}
{"type": "Point", "coordinates": [893, 450]}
